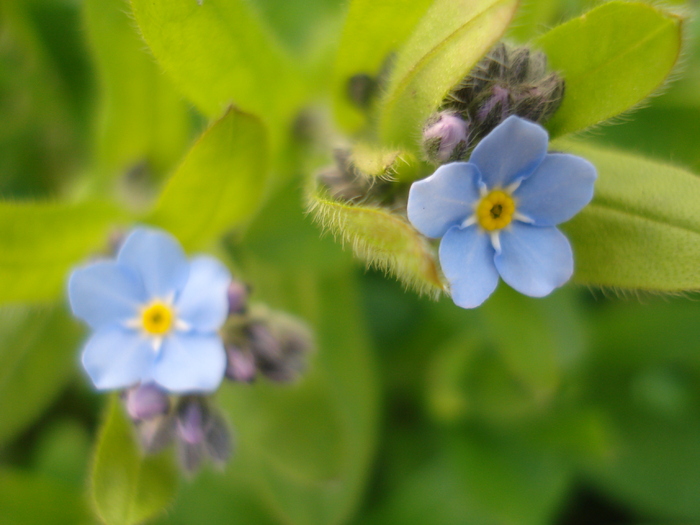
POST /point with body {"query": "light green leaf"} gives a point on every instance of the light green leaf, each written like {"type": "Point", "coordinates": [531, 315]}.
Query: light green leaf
{"type": "Point", "coordinates": [611, 58]}
{"type": "Point", "coordinates": [382, 240]}
{"type": "Point", "coordinates": [451, 37]}
{"type": "Point", "coordinates": [219, 53]}
{"type": "Point", "coordinates": [38, 356]}
{"type": "Point", "coordinates": [373, 30]}
{"type": "Point", "coordinates": [26, 498]}
{"type": "Point", "coordinates": [39, 242]}
{"type": "Point", "coordinates": [128, 488]}
{"type": "Point", "coordinates": [642, 230]}
{"type": "Point", "coordinates": [220, 183]}
{"type": "Point", "coordinates": [142, 118]}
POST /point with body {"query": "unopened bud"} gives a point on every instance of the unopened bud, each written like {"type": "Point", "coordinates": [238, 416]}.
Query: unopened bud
{"type": "Point", "coordinates": [191, 420]}
{"type": "Point", "coordinates": [237, 297]}
{"type": "Point", "coordinates": [146, 402]}
{"type": "Point", "coordinates": [286, 359]}
{"type": "Point", "coordinates": [446, 138]}
{"type": "Point", "coordinates": [361, 90]}
{"type": "Point", "coordinates": [240, 364]}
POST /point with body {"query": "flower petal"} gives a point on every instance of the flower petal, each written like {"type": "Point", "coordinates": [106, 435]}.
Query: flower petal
{"type": "Point", "coordinates": [117, 358]}
{"type": "Point", "coordinates": [534, 260]}
{"type": "Point", "coordinates": [104, 293]}
{"type": "Point", "coordinates": [157, 258]}
{"type": "Point", "coordinates": [557, 190]}
{"type": "Point", "coordinates": [510, 152]}
{"type": "Point", "coordinates": [444, 199]}
{"type": "Point", "coordinates": [190, 363]}
{"type": "Point", "coordinates": [466, 256]}
{"type": "Point", "coordinates": [203, 302]}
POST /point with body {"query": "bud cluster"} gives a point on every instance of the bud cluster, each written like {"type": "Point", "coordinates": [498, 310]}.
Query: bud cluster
{"type": "Point", "coordinates": [508, 81]}
{"type": "Point", "coordinates": [347, 183]}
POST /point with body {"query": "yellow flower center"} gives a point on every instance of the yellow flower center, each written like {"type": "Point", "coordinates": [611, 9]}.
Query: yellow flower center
{"type": "Point", "coordinates": [157, 318]}
{"type": "Point", "coordinates": [495, 210]}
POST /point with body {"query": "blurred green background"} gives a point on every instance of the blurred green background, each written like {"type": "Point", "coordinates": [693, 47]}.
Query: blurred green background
{"type": "Point", "coordinates": [583, 407]}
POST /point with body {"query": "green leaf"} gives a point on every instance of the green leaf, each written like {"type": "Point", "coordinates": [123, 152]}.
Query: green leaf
{"type": "Point", "coordinates": [304, 450]}
{"type": "Point", "coordinates": [382, 240]}
{"type": "Point", "coordinates": [642, 229]}
{"type": "Point", "coordinates": [142, 118]}
{"type": "Point", "coordinates": [219, 53]}
{"type": "Point", "coordinates": [37, 359]}
{"type": "Point", "coordinates": [220, 183]}
{"type": "Point", "coordinates": [611, 58]}
{"type": "Point", "coordinates": [373, 30]}
{"type": "Point", "coordinates": [479, 480]}
{"type": "Point", "coordinates": [536, 338]}
{"type": "Point", "coordinates": [448, 41]}
{"type": "Point", "coordinates": [26, 498]}
{"type": "Point", "coordinates": [128, 488]}
{"type": "Point", "coordinates": [39, 242]}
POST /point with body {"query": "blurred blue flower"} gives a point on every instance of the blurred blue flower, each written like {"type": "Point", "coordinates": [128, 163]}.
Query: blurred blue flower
{"type": "Point", "coordinates": [155, 316]}
{"type": "Point", "coordinates": [496, 213]}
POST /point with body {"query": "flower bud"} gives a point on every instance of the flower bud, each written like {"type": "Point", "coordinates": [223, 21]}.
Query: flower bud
{"type": "Point", "coordinates": [508, 81]}
{"type": "Point", "coordinates": [192, 417]}
{"type": "Point", "coordinates": [146, 401]}
{"type": "Point", "coordinates": [361, 90]}
{"type": "Point", "coordinates": [446, 138]}
{"type": "Point", "coordinates": [240, 364]}
{"type": "Point", "coordinates": [237, 297]}
{"type": "Point", "coordinates": [280, 347]}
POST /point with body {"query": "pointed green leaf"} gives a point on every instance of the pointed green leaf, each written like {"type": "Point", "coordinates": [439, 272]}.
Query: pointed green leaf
{"type": "Point", "coordinates": [142, 117]}
{"type": "Point", "coordinates": [642, 230]}
{"type": "Point", "coordinates": [38, 356]}
{"type": "Point", "coordinates": [373, 30]}
{"type": "Point", "coordinates": [611, 58]}
{"type": "Point", "coordinates": [451, 37]}
{"type": "Point", "coordinates": [382, 240]}
{"type": "Point", "coordinates": [128, 488]}
{"type": "Point", "coordinates": [39, 242]}
{"type": "Point", "coordinates": [219, 53]}
{"type": "Point", "coordinates": [220, 183]}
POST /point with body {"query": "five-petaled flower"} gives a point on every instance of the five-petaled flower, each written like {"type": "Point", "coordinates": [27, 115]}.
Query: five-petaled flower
{"type": "Point", "coordinates": [497, 213]}
{"type": "Point", "coordinates": [155, 316]}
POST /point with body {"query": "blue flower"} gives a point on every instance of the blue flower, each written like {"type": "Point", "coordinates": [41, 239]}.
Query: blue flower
{"type": "Point", "coordinates": [497, 213]}
{"type": "Point", "coordinates": [155, 316]}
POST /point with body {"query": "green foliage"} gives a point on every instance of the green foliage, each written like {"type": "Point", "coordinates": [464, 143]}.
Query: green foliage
{"type": "Point", "coordinates": [220, 183]}
{"type": "Point", "coordinates": [128, 488]}
{"type": "Point", "coordinates": [611, 58]}
{"type": "Point", "coordinates": [40, 242]}
{"type": "Point", "coordinates": [303, 450]}
{"type": "Point", "coordinates": [37, 359]}
{"type": "Point", "coordinates": [383, 240]}
{"type": "Point", "coordinates": [219, 53]}
{"type": "Point", "coordinates": [642, 230]}
{"type": "Point", "coordinates": [448, 41]}
{"type": "Point", "coordinates": [372, 32]}
{"type": "Point", "coordinates": [27, 498]}
{"type": "Point", "coordinates": [142, 118]}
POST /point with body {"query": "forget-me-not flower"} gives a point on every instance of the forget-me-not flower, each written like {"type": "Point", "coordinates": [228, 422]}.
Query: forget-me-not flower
{"type": "Point", "coordinates": [497, 213]}
{"type": "Point", "coordinates": [155, 316]}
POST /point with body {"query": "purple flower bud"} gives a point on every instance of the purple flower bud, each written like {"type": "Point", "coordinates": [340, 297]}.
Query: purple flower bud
{"type": "Point", "coordinates": [237, 297]}
{"type": "Point", "coordinates": [446, 139]}
{"type": "Point", "coordinates": [155, 434]}
{"type": "Point", "coordinates": [240, 364]}
{"type": "Point", "coordinates": [263, 342]}
{"type": "Point", "coordinates": [218, 440]}
{"type": "Point", "coordinates": [146, 402]}
{"type": "Point", "coordinates": [191, 420]}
